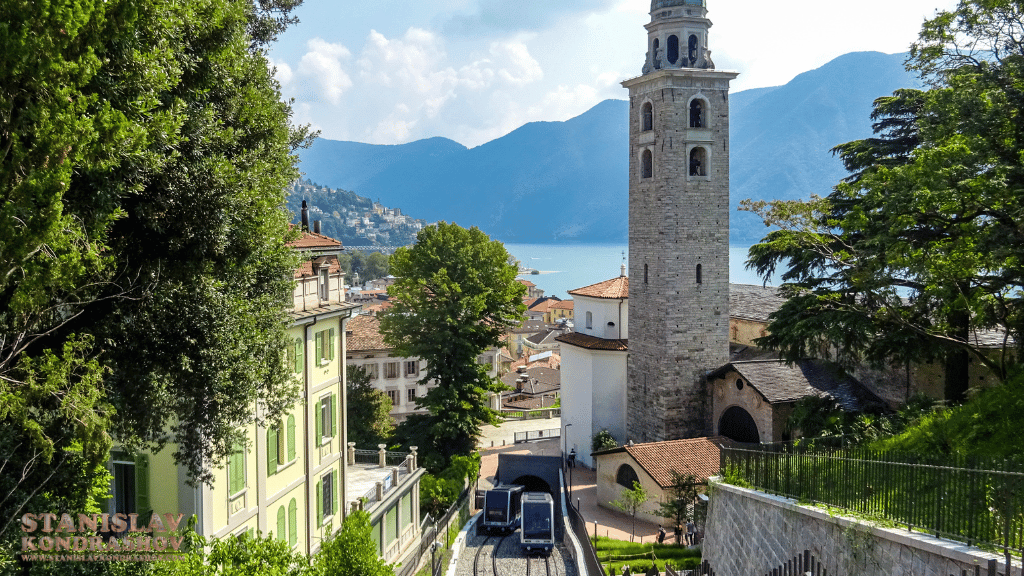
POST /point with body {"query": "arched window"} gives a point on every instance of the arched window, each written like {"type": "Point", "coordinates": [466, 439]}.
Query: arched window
{"type": "Point", "coordinates": [648, 117]}
{"type": "Point", "coordinates": [698, 113]}
{"type": "Point", "coordinates": [645, 273]}
{"type": "Point", "coordinates": [647, 165]}
{"type": "Point", "coordinates": [590, 319]}
{"type": "Point", "coordinates": [673, 49]}
{"type": "Point", "coordinates": [692, 49]}
{"type": "Point", "coordinates": [655, 55]}
{"type": "Point", "coordinates": [626, 476]}
{"type": "Point", "coordinates": [698, 162]}
{"type": "Point", "coordinates": [700, 273]}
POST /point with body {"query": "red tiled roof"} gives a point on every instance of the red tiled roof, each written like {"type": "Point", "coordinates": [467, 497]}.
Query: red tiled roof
{"type": "Point", "coordinates": [363, 333]}
{"type": "Point", "coordinates": [305, 269]}
{"type": "Point", "coordinates": [593, 342]}
{"type": "Point", "coordinates": [615, 288]}
{"type": "Point", "coordinates": [314, 240]}
{"type": "Point", "coordinates": [563, 305]}
{"type": "Point", "coordinates": [526, 283]}
{"type": "Point", "coordinates": [697, 456]}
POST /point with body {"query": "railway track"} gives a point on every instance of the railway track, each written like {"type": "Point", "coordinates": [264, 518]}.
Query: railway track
{"type": "Point", "coordinates": [547, 565]}
{"type": "Point", "coordinates": [501, 555]}
{"type": "Point", "coordinates": [493, 554]}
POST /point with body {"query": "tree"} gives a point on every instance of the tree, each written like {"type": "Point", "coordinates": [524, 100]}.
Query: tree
{"type": "Point", "coordinates": [630, 501]}
{"type": "Point", "coordinates": [603, 440]}
{"type": "Point", "coordinates": [455, 296]}
{"type": "Point", "coordinates": [369, 410]}
{"type": "Point", "coordinates": [918, 252]}
{"type": "Point", "coordinates": [351, 551]}
{"type": "Point", "coordinates": [680, 497]}
{"type": "Point", "coordinates": [144, 153]}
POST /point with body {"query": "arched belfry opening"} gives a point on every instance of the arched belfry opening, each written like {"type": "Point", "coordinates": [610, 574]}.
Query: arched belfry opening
{"type": "Point", "coordinates": [737, 424]}
{"type": "Point", "coordinates": [691, 49]}
{"type": "Point", "coordinates": [655, 54]}
{"type": "Point", "coordinates": [672, 50]}
{"type": "Point", "coordinates": [647, 117]}
{"type": "Point", "coordinates": [698, 162]}
{"type": "Point", "coordinates": [698, 113]}
{"type": "Point", "coordinates": [647, 164]}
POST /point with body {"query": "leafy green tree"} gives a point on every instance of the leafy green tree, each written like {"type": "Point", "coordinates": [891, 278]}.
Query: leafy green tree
{"type": "Point", "coordinates": [351, 551]}
{"type": "Point", "coordinates": [631, 501]}
{"type": "Point", "coordinates": [918, 251]}
{"type": "Point", "coordinates": [680, 497]}
{"type": "Point", "coordinates": [603, 440]}
{"type": "Point", "coordinates": [375, 266]}
{"type": "Point", "coordinates": [369, 411]}
{"type": "Point", "coordinates": [455, 296]}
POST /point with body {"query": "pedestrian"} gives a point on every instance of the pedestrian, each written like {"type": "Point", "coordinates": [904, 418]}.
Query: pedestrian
{"type": "Point", "coordinates": [691, 532]}
{"type": "Point", "coordinates": [679, 534]}
{"type": "Point", "coordinates": [572, 458]}
{"type": "Point", "coordinates": [661, 535]}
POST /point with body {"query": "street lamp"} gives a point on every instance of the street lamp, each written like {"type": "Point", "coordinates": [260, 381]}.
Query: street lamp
{"type": "Point", "coordinates": [565, 451]}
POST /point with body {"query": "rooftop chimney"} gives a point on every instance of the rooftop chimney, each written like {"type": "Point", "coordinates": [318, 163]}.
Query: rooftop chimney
{"type": "Point", "coordinates": [622, 269]}
{"type": "Point", "coordinates": [316, 226]}
{"type": "Point", "coordinates": [305, 217]}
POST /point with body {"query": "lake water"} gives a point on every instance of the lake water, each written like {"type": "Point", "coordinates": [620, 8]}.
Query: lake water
{"type": "Point", "coordinates": [567, 267]}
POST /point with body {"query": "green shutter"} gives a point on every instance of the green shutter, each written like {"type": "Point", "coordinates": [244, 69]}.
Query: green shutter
{"type": "Point", "coordinates": [330, 344]}
{"type": "Point", "coordinates": [334, 415]}
{"type": "Point", "coordinates": [142, 486]}
{"type": "Point", "coordinates": [319, 503]}
{"type": "Point", "coordinates": [319, 347]}
{"type": "Point", "coordinates": [291, 437]}
{"type": "Point", "coordinates": [298, 356]}
{"type": "Point", "coordinates": [271, 450]}
{"type": "Point", "coordinates": [282, 534]}
{"type": "Point", "coordinates": [293, 522]}
{"type": "Point", "coordinates": [237, 465]}
{"type": "Point", "coordinates": [334, 487]}
{"type": "Point", "coordinates": [319, 424]}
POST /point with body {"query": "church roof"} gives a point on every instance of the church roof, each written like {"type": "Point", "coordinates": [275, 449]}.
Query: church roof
{"type": "Point", "coordinates": [753, 301]}
{"type": "Point", "coordinates": [593, 342]}
{"type": "Point", "coordinates": [697, 456]}
{"type": "Point", "coordinates": [780, 383]}
{"type": "Point", "coordinates": [616, 288]}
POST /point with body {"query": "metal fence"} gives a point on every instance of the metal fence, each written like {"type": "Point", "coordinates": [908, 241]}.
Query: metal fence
{"type": "Point", "coordinates": [439, 532]}
{"type": "Point", "coordinates": [537, 435]}
{"type": "Point", "coordinates": [579, 528]}
{"type": "Point", "coordinates": [971, 500]}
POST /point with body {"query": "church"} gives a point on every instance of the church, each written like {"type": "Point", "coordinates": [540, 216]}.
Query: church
{"type": "Point", "coordinates": [674, 377]}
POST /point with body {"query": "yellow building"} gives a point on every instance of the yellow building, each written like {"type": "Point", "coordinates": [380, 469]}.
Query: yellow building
{"type": "Point", "coordinates": [299, 472]}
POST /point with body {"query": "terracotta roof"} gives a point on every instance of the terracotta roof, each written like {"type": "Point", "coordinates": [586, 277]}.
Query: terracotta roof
{"type": "Point", "coordinates": [305, 269]}
{"type": "Point", "coordinates": [542, 304]}
{"type": "Point", "coordinates": [779, 383]}
{"type": "Point", "coordinates": [563, 305]}
{"type": "Point", "coordinates": [314, 240]}
{"type": "Point", "coordinates": [526, 283]}
{"type": "Point", "coordinates": [377, 307]}
{"type": "Point", "coordinates": [363, 333]}
{"type": "Point", "coordinates": [530, 301]}
{"type": "Point", "coordinates": [553, 361]}
{"type": "Point", "coordinates": [615, 288]}
{"type": "Point", "coordinates": [697, 456]}
{"type": "Point", "coordinates": [593, 342]}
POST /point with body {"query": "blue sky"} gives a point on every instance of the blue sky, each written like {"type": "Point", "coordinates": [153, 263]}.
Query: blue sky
{"type": "Point", "coordinates": [395, 71]}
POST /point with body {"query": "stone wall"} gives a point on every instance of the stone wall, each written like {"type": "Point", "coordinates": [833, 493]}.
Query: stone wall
{"type": "Point", "coordinates": [750, 533]}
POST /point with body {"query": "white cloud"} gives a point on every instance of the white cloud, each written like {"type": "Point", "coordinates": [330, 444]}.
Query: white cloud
{"type": "Point", "coordinates": [282, 72]}
{"type": "Point", "coordinates": [322, 65]}
{"type": "Point", "coordinates": [521, 67]}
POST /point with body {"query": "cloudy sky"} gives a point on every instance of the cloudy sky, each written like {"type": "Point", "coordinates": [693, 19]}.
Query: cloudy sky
{"type": "Point", "coordinates": [395, 71]}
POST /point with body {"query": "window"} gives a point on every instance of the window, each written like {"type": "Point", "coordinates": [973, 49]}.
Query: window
{"type": "Point", "coordinates": [647, 164]}
{"type": "Point", "coordinates": [698, 116]}
{"type": "Point", "coordinates": [326, 502]}
{"type": "Point", "coordinates": [410, 394]}
{"type": "Point", "coordinates": [626, 476]}
{"type": "Point", "coordinates": [236, 469]}
{"type": "Point", "coordinates": [700, 274]}
{"type": "Point", "coordinates": [590, 319]}
{"type": "Point", "coordinates": [412, 368]}
{"type": "Point", "coordinates": [692, 49]}
{"type": "Point", "coordinates": [393, 395]}
{"type": "Point", "coordinates": [645, 273]}
{"type": "Point", "coordinates": [391, 369]}
{"type": "Point", "coordinates": [647, 117]}
{"type": "Point", "coordinates": [325, 424]}
{"type": "Point", "coordinates": [324, 346]}
{"type": "Point", "coordinates": [673, 49]}
{"type": "Point", "coordinates": [373, 369]}
{"type": "Point", "coordinates": [324, 284]}
{"type": "Point", "coordinates": [273, 448]}
{"type": "Point", "coordinates": [657, 58]}
{"type": "Point", "coordinates": [293, 522]}
{"type": "Point", "coordinates": [293, 356]}
{"type": "Point", "coordinates": [698, 162]}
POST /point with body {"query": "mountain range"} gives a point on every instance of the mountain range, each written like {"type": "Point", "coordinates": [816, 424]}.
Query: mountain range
{"type": "Point", "coordinates": [559, 182]}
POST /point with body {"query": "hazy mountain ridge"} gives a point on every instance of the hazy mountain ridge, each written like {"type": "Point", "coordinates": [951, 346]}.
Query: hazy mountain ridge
{"type": "Point", "coordinates": [567, 181]}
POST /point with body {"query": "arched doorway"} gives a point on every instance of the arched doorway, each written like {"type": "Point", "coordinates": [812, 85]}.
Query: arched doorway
{"type": "Point", "coordinates": [532, 484]}
{"type": "Point", "coordinates": [737, 424]}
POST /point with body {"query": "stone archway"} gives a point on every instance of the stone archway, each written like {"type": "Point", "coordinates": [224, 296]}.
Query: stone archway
{"type": "Point", "coordinates": [737, 424]}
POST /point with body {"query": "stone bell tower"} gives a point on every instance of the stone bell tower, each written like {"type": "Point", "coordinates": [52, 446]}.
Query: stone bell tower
{"type": "Point", "coordinates": [678, 226]}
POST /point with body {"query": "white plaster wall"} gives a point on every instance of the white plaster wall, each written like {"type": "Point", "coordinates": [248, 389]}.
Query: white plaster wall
{"type": "Point", "coordinates": [604, 311]}
{"type": "Point", "coordinates": [609, 401]}
{"type": "Point", "coordinates": [577, 401]}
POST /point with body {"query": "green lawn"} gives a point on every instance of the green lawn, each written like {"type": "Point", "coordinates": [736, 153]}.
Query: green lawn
{"type": "Point", "coordinates": [614, 554]}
